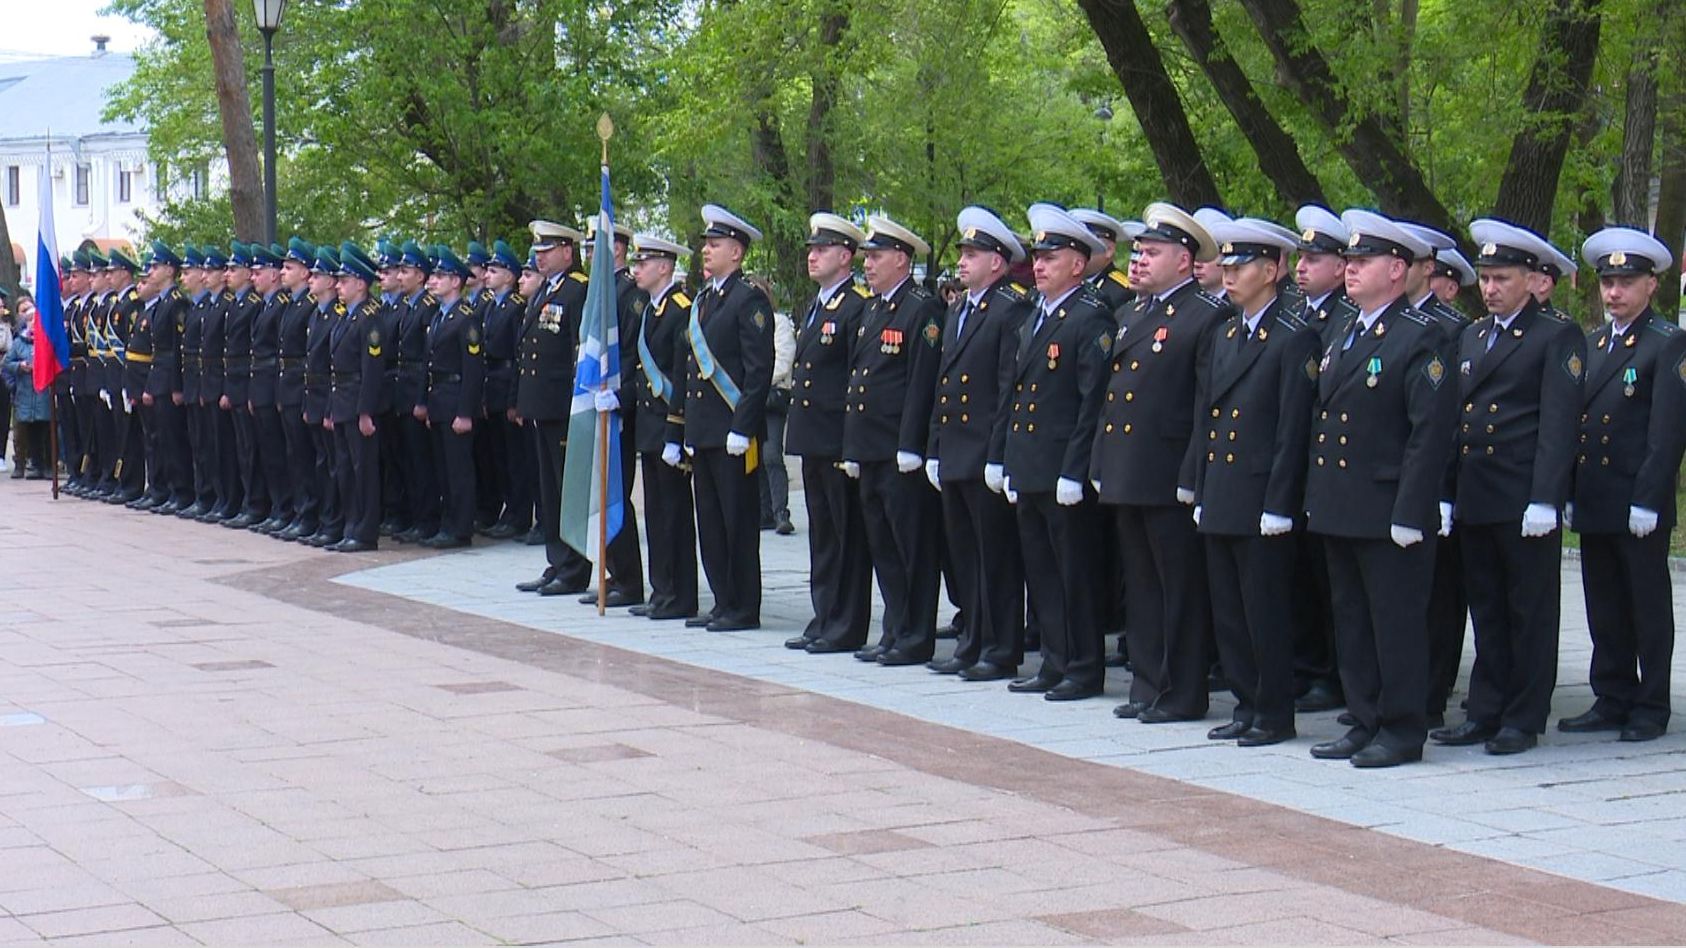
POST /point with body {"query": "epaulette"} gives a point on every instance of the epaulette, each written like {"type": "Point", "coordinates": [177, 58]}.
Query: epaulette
{"type": "Point", "coordinates": [1090, 293]}
{"type": "Point", "coordinates": [1209, 299]}
{"type": "Point", "coordinates": [518, 298]}
{"type": "Point", "coordinates": [339, 308]}
{"type": "Point", "coordinates": [133, 295]}
{"type": "Point", "coordinates": [1557, 314]}
{"type": "Point", "coordinates": [578, 276]}
{"type": "Point", "coordinates": [1118, 277]}
{"type": "Point", "coordinates": [1013, 291]}
{"type": "Point", "coordinates": [919, 291]}
{"type": "Point", "coordinates": [429, 299]}
{"type": "Point", "coordinates": [861, 291]}
{"type": "Point", "coordinates": [1417, 316]}
{"type": "Point", "coordinates": [177, 294]}
{"type": "Point", "coordinates": [1290, 321]}
{"type": "Point", "coordinates": [681, 299]}
{"type": "Point", "coordinates": [228, 296]}
{"type": "Point", "coordinates": [286, 295]}
{"type": "Point", "coordinates": [1661, 327]}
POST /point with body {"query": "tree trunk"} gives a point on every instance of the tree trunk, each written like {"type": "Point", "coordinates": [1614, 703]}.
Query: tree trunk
{"type": "Point", "coordinates": [1278, 156]}
{"type": "Point", "coordinates": [1632, 188]}
{"type": "Point", "coordinates": [1589, 219]}
{"type": "Point", "coordinates": [1376, 157]}
{"type": "Point", "coordinates": [1408, 10]}
{"type": "Point", "coordinates": [1557, 87]}
{"type": "Point", "coordinates": [1671, 195]}
{"type": "Point", "coordinates": [822, 172]}
{"type": "Point", "coordinates": [235, 109]}
{"type": "Point", "coordinates": [1153, 97]}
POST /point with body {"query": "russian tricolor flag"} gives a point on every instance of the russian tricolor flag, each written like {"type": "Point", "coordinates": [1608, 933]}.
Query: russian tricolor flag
{"type": "Point", "coordinates": [52, 345]}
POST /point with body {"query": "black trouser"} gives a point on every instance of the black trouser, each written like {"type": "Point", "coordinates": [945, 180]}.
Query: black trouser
{"type": "Point", "coordinates": [1111, 573]}
{"type": "Point", "coordinates": [729, 533]}
{"type": "Point", "coordinates": [87, 467]}
{"type": "Point", "coordinates": [839, 562]}
{"type": "Point", "coordinates": [1313, 621]}
{"type": "Point", "coordinates": [231, 488]}
{"type": "Point", "coordinates": [517, 462]}
{"type": "Point", "coordinates": [670, 527]}
{"type": "Point", "coordinates": [625, 562]}
{"type": "Point", "coordinates": [395, 500]}
{"type": "Point", "coordinates": [1380, 601]}
{"type": "Point", "coordinates": [272, 454]}
{"type": "Point", "coordinates": [987, 573]}
{"type": "Point", "coordinates": [1630, 612]}
{"type": "Point", "coordinates": [1061, 575]}
{"type": "Point", "coordinates": [357, 471]}
{"type": "Point", "coordinates": [1251, 581]}
{"type": "Point", "coordinates": [252, 482]}
{"type": "Point", "coordinates": [201, 457]}
{"type": "Point", "coordinates": [135, 431]}
{"type": "Point", "coordinates": [902, 513]}
{"type": "Point", "coordinates": [421, 486]}
{"type": "Point", "coordinates": [301, 468]}
{"type": "Point", "coordinates": [490, 479]}
{"type": "Point", "coordinates": [571, 568]}
{"type": "Point", "coordinates": [1514, 585]}
{"type": "Point", "coordinates": [1448, 613]}
{"type": "Point", "coordinates": [454, 459]}
{"type": "Point", "coordinates": [1170, 618]}
{"type": "Point", "coordinates": [175, 452]}
{"type": "Point", "coordinates": [331, 505]}
{"type": "Point", "coordinates": [70, 432]}
{"type": "Point", "coordinates": [108, 434]}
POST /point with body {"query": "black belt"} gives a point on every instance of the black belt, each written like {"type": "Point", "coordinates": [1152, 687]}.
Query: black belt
{"type": "Point", "coordinates": [264, 364]}
{"type": "Point", "coordinates": [237, 362]}
{"type": "Point", "coordinates": [191, 352]}
{"type": "Point", "coordinates": [339, 377]}
{"type": "Point", "coordinates": [310, 379]}
{"type": "Point", "coordinates": [445, 376]}
{"type": "Point", "coordinates": [292, 362]}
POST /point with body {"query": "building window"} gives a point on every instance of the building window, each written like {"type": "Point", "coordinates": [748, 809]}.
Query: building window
{"type": "Point", "coordinates": [125, 186]}
{"type": "Point", "coordinates": [14, 185]}
{"type": "Point", "coordinates": [83, 173]}
{"type": "Point", "coordinates": [198, 182]}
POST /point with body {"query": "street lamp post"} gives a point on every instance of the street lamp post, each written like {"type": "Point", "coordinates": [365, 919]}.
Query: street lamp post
{"type": "Point", "coordinates": [269, 21]}
{"type": "Point", "coordinates": [1104, 114]}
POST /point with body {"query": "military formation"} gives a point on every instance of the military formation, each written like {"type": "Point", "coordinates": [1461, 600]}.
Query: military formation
{"type": "Point", "coordinates": [1280, 458]}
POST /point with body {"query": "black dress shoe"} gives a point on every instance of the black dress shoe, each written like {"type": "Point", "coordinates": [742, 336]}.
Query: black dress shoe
{"type": "Point", "coordinates": [192, 511]}
{"type": "Point", "coordinates": [1158, 715]}
{"type": "Point", "coordinates": [389, 527]}
{"type": "Point", "coordinates": [1511, 740]}
{"type": "Point", "coordinates": [213, 516]}
{"type": "Point", "coordinates": [1591, 721]}
{"type": "Point", "coordinates": [349, 545]}
{"type": "Point", "coordinates": [1378, 754]}
{"type": "Point", "coordinates": [1640, 730]}
{"type": "Point", "coordinates": [1265, 736]}
{"type": "Point", "coordinates": [698, 622]}
{"type": "Point", "coordinates": [240, 522]}
{"type": "Point", "coordinates": [640, 611]}
{"type": "Point", "coordinates": [870, 653]}
{"type": "Point", "coordinates": [1032, 685]}
{"type": "Point", "coordinates": [143, 503]}
{"type": "Point", "coordinates": [412, 535]}
{"type": "Point", "coordinates": [534, 537]}
{"type": "Point", "coordinates": [896, 658]}
{"type": "Point", "coordinates": [534, 585]}
{"type": "Point", "coordinates": [1321, 696]}
{"type": "Point", "coordinates": [989, 671]}
{"type": "Point", "coordinates": [443, 541]}
{"type": "Point", "coordinates": [168, 507]}
{"type": "Point", "coordinates": [732, 625]}
{"type": "Point", "coordinates": [785, 527]}
{"type": "Point", "coordinates": [1230, 731]}
{"type": "Point", "coordinates": [557, 587]}
{"type": "Point", "coordinates": [1465, 734]}
{"type": "Point", "coordinates": [1117, 661]}
{"type": "Point", "coordinates": [620, 599]}
{"type": "Point", "coordinates": [1068, 690]}
{"type": "Point", "coordinates": [798, 643]}
{"type": "Point", "coordinates": [503, 531]}
{"type": "Point", "coordinates": [950, 631]}
{"type": "Point", "coordinates": [1129, 709]}
{"type": "Point", "coordinates": [948, 666]}
{"type": "Point", "coordinates": [670, 612]}
{"type": "Point", "coordinates": [1342, 748]}
{"type": "Point", "coordinates": [824, 647]}
{"type": "Point", "coordinates": [1348, 719]}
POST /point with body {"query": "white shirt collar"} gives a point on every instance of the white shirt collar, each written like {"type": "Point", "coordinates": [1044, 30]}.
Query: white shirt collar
{"type": "Point", "coordinates": [828, 292]}
{"type": "Point", "coordinates": [897, 288]}
{"type": "Point", "coordinates": [1318, 303]}
{"type": "Point", "coordinates": [1162, 297]}
{"type": "Point", "coordinates": [1050, 304]}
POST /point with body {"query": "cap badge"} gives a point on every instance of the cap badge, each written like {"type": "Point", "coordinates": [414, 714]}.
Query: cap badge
{"type": "Point", "coordinates": [1353, 240]}
{"type": "Point", "coordinates": [1489, 248]}
{"type": "Point", "coordinates": [1618, 259]}
{"type": "Point", "coordinates": [1309, 235]}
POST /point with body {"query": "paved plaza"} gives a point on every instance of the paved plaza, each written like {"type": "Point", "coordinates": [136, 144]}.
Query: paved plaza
{"type": "Point", "coordinates": [209, 737]}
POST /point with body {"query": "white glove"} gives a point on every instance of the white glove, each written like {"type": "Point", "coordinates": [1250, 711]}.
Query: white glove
{"type": "Point", "coordinates": [606, 400]}
{"type": "Point", "coordinates": [908, 462]}
{"type": "Point", "coordinates": [1067, 492]}
{"type": "Point", "coordinates": [1539, 520]}
{"type": "Point", "coordinates": [105, 396]}
{"type": "Point", "coordinates": [932, 469]}
{"type": "Point", "coordinates": [670, 454]}
{"type": "Point", "coordinates": [1569, 514]}
{"type": "Point", "coordinates": [1445, 519]}
{"type": "Point", "coordinates": [1274, 525]}
{"type": "Point", "coordinates": [1640, 522]}
{"type": "Point", "coordinates": [1405, 536]}
{"type": "Point", "coordinates": [1007, 488]}
{"type": "Point", "coordinates": [1096, 485]}
{"type": "Point", "coordinates": [737, 444]}
{"type": "Point", "coordinates": [1198, 510]}
{"type": "Point", "coordinates": [852, 469]}
{"type": "Point", "coordinates": [1185, 496]}
{"type": "Point", "coordinates": [994, 476]}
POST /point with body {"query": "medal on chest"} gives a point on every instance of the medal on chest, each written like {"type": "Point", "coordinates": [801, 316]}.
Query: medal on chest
{"type": "Point", "coordinates": [890, 341]}
{"type": "Point", "coordinates": [828, 331]}
{"type": "Point", "coordinates": [1373, 370]}
{"type": "Point", "coordinates": [1160, 335]}
{"type": "Point", "coordinates": [1053, 355]}
{"type": "Point", "coordinates": [1629, 376]}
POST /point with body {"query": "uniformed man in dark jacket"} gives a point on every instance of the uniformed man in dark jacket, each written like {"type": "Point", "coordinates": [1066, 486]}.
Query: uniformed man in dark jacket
{"type": "Point", "coordinates": [318, 391]}
{"type": "Point", "coordinates": [839, 562]}
{"type": "Point", "coordinates": [100, 356]}
{"type": "Point", "coordinates": [358, 396]}
{"type": "Point", "coordinates": [1632, 432]}
{"type": "Point", "coordinates": [886, 426]}
{"type": "Point", "coordinates": [1380, 439]}
{"type": "Point", "coordinates": [237, 384]}
{"type": "Point", "coordinates": [1255, 404]}
{"type": "Point", "coordinates": [966, 451]}
{"type": "Point", "coordinates": [1110, 282]}
{"type": "Point", "coordinates": [153, 362]}
{"type": "Point", "coordinates": [1144, 464]}
{"type": "Point", "coordinates": [277, 290]}
{"type": "Point", "coordinates": [416, 307]}
{"type": "Point", "coordinates": [547, 347]}
{"type": "Point", "coordinates": [670, 525]}
{"type": "Point", "coordinates": [164, 385]}
{"type": "Point", "coordinates": [728, 370]}
{"type": "Point", "coordinates": [304, 485]}
{"type": "Point", "coordinates": [1520, 372]}
{"type": "Point", "coordinates": [1046, 427]}
{"type": "Point", "coordinates": [123, 314]}
{"type": "Point", "coordinates": [228, 494]}
{"type": "Point", "coordinates": [1452, 273]}
{"type": "Point", "coordinates": [82, 401]}
{"type": "Point", "coordinates": [456, 372]}
{"type": "Point", "coordinates": [198, 455]}
{"type": "Point", "coordinates": [512, 453]}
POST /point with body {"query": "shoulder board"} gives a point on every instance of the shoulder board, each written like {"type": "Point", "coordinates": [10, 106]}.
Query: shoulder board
{"type": "Point", "coordinates": [1090, 293]}
{"type": "Point", "coordinates": [177, 294]}
{"type": "Point", "coordinates": [1209, 299]}
{"type": "Point", "coordinates": [429, 299]}
{"type": "Point", "coordinates": [339, 308]}
{"type": "Point", "coordinates": [1290, 321]}
{"type": "Point", "coordinates": [1557, 314]}
{"type": "Point", "coordinates": [1118, 277]}
{"type": "Point", "coordinates": [1416, 315]}
{"type": "Point", "coordinates": [919, 292]}
{"type": "Point", "coordinates": [680, 299]}
{"type": "Point", "coordinates": [1661, 327]}
{"type": "Point", "coordinates": [517, 298]}
{"type": "Point", "coordinates": [132, 295]}
{"type": "Point", "coordinates": [861, 291]}
{"type": "Point", "coordinates": [1013, 291]}
{"type": "Point", "coordinates": [578, 276]}
{"type": "Point", "coordinates": [227, 296]}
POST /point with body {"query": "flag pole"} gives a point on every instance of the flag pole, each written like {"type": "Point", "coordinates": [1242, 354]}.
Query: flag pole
{"type": "Point", "coordinates": [605, 130]}
{"type": "Point", "coordinates": [52, 399]}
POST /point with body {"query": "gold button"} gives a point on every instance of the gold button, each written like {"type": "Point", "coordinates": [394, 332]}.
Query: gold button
{"type": "Point", "coordinates": [1129, 396]}
{"type": "Point", "coordinates": [1218, 413]}
{"type": "Point", "coordinates": [1126, 427]}
{"type": "Point", "coordinates": [1489, 449]}
{"type": "Point", "coordinates": [807, 404]}
{"type": "Point", "coordinates": [1469, 406]}
{"type": "Point", "coordinates": [1033, 386]}
{"type": "Point", "coordinates": [1211, 436]}
{"type": "Point", "coordinates": [963, 399]}
{"type": "Point", "coordinates": [964, 378]}
{"type": "Point", "coordinates": [1324, 415]}
{"type": "Point", "coordinates": [1343, 417]}
{"type": "Point", "coordinates": [945, 419]}
{"type": "Point", "coordinates": [1211, 455]}
{"type": "Point", "coordinates": [1032, 408]}
{"type": "Point", "coordinates": [1019, 387]}
{"type": "Point", "coordinates": [963, 418]}
{"type": "Point", "coordinates": [1466, 428]}
{"type": "Point", "coordinates": [1320, 460]}
{"type": "Point", "coordinates": [1134, 365]}
{"type": "Point", "coordinates": [1232, 436]}
{"type": "Point", "coordinates": [1493, 409]}
{"type": "Point", "coordinates": [1604, 461]}
{"type": "Point", "coordinates": [945, 380]}
{"type": "Point", "coordinates": [1321, 438]}
{"type": "Point", "coordinates": [1030, 427]}
{"type": "Point", "coordinates": [1490, 429]}
{"type": "Point", "coordinates": [1236, 413]}
{"type": "Point", "coordinates": [1115, 368]}
{"type": "Point", "coordinates": [1606, 419]}
{"type": "Point", "coordinates": [862, 408]}
{"type": "Point", "coordinates": [1604, 440]}
{"type": "Point", "coordinates": [1341, 462]}
{"type": "Point", "coordinates": [1229, 459]}
{"type": "Point", "coordinates": [1343, 439]}
{"type": "Point", "coordinates": [1109, 396]}
{"type": "Point", "coordinates": [943, 400]}
{"type": "Point", "coordinates": [1466, 449]}
{"type": "Point", "coordinates": [1109, 427]}
{"type": "Point", "coordinates": [1015, 426]}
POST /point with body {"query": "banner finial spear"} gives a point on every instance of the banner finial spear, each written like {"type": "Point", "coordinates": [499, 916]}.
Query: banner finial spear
{"type": "Point", "coordinates": [605, 131]}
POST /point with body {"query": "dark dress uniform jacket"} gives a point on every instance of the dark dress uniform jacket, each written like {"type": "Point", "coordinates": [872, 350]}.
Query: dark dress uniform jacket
{"type": "Point", "coordinates": [266, 349]}
{"type": "Point", "coordinates": [237, 346]}
{"type": "Point", "coordinates": [737, 321]}
{"type": "Point", "coordinates": [294, 348]}
{"type": "Point", "coordinates": [1144, 446]}
{"type": "Point", "coordinates": [319, 361]}
{"type": "Point", "coordinates": [1257, 393]}
{"type": "Point", "coordinates": [138, 346]}
{"type": "Point", "coordinates": [409, 346]}
{"type": "Point", "coordinates": [456, 364]}
{"type": "Point", "coordinates": [549, 344]}
{"type": "Point", "coordinates": [502, 321]}
{"type": "Point", "coordinates": [1059, 378]}
{"type": "Point", "coordinates": [169, 320]}
{"type": "Point", "coordinates": [356, 340]}
{"type": "Point", "coordinates": [1629, 445]}
{"type": "Point", "coordinates": [213, 342]}
{"type": "Point", "coordinates": [1518, 404]}
{"type": "Point", "coordinates": [974, 378]}
{"type": "Point", "coordinates": [629, 313]}
{"type": "Point", "coordinates": [122, 316]}
{"type": "Point", "coordinates": [1332, 312]}
{"type": "Point", "coordinates": [192, 349]}
{"type": "Point", "coordinates": [893, 374]}
{"type": "Point", "coordinates": [1114, 288]}
{"type": "Point", "coordinates": [663, 326]}
{"type": "Point", "coordinates": [820, 373]}
{"type": "Point", "coordinates": [1379, 453]}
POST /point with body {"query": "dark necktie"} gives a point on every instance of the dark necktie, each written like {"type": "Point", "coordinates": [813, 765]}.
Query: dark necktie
{"type": "Point", "coordinates": [813, 313]}
{"type": "Point", "coordinates": [965, 310]}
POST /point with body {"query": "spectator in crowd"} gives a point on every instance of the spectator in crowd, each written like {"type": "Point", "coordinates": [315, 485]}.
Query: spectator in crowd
{"type": "Point", "coordinates": [775, 481]}
{"type": "Point", "coordinates": [30, 407]}
{"type": "Point", "coordinates": [6, 332]}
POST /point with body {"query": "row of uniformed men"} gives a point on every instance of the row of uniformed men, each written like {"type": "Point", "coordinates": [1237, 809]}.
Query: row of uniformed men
{"type": "Point", "coordinates": [1344, 463]}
